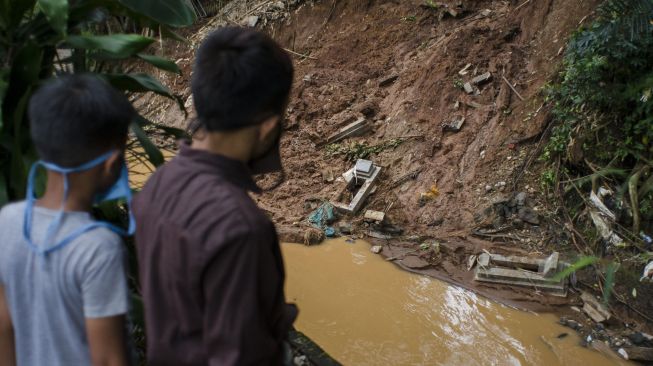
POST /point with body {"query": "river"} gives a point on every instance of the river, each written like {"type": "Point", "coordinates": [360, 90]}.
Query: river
{"type": "Point", "coordinates": [365, 311]}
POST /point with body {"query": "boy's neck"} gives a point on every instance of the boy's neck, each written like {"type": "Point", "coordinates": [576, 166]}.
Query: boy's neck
{"type": "Point", "coordinates": [81, 192]}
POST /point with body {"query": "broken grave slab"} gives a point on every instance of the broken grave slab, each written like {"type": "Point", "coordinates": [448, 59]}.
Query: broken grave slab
{"type": "Point", "coordinates": [594, 309]}
{"type": "Point", "coordinates": [481, 78]}
{"type": "Point", "coordinates": [376, 216]}
{"type": "Point", "coordinates": [354, 129]}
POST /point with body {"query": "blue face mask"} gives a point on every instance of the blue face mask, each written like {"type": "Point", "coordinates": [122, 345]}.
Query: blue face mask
{"type": "Point", "coordinates": [119, 190]}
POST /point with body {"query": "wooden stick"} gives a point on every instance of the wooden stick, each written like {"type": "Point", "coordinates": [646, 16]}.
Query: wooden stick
{"type": "Point", "coordinates": [522, 5]}
{"type": "Point", "coordinates": [300, 55]}
{"type": "Point", "coordinates": [513, 88]}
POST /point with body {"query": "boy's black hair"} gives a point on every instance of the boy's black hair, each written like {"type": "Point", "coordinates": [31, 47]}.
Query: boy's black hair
{"type": "Point", "coordinates": [241, 78]}
{"type": "Point", "coordinates": [76, 118]}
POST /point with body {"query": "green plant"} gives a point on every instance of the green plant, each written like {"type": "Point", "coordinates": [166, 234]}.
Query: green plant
{"type": "Point", "coordinates": [602, 101]}
{"type": "Point", "coordinates": [42, 38]}
{"type": "Point", "coordinates": [458, 83]}
{"type": "Point", "coordinates": [409, 18]}
{"type": "Point", "coordinates": [432, 4]}
{"type": "Point", "coordinates": [361, 150]}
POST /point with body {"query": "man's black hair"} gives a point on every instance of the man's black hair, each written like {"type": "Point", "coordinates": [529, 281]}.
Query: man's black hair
{"type": "Point", "coordinates": [241, 78]}
{"type": "Point", "coordinates": [76, 118]}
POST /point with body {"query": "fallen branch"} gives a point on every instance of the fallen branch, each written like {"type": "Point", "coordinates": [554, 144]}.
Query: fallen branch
{"type": "Point", "coordinates": [513, 88]}
{"type": "Point", "coordinates": [634, 196]}
{"type": "Point", "coordinates": [522, 5]}
{"type": "Point", "coordinates": [300, 55]}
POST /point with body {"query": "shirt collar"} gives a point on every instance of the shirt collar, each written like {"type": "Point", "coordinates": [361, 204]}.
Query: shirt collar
{"type": "Point", "coordinates": [231, 170]}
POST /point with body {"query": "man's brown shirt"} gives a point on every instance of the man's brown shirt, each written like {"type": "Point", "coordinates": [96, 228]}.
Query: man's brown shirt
{"type": "Point", "coordinates": [210, 266]}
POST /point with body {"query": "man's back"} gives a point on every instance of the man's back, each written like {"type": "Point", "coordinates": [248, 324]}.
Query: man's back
{"type": "Point", "coordinates": [210, 266]}
{"type": "Point", "coordinates": [50, 297]}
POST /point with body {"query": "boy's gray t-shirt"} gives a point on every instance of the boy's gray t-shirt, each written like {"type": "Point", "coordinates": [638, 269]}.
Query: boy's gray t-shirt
{"type": "Point", "coordinates": [49, 298]}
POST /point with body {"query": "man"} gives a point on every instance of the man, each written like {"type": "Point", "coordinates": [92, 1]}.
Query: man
{"type": "Point", "coordinates": [211, 269]}
{"type": "Point", "coordinates": [63, 286]}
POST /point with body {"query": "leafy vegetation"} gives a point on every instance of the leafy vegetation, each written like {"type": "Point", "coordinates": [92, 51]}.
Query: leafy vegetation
{"type": "Point", "coordinates": [361, 150]}
{"type": "Point", "coordinates": [604, 103]}
{"type": "Point", "coordinates": [603, 135]}
{"type": "Point", "coordinates": [42, 38]}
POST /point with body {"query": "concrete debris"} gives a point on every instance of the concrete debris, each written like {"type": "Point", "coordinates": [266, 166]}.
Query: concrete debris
{"type": "Point", "coordinates": [471, 262]}
{"type": "Point", "coordinates": [374, 216]}
{"type": "Point", "coordinates": [550, 265]}
{"type": "Point", "coordinates": [481, 79]}
{"type": "Point", "coordinates": [354, 129]}
{"type": "Point", "coordinates": [484, 260]}
{"type": "Point", "coordinates": [598, 203]}
{"type": "Point", "coordinates": [454, 126]}
{"type": "Point", "coordinates": [328, 175]}
{"type": "Point", "coordinates": [376, 249]}
{"type": "Point", "coordinates": [251, 21]}
{"type": "Point", "coordinates": [388, 80]}
{"type": "Point", "coordinates": [594, 309]}
{"type": "Point", "coordinates": [520, 271]}
{"type": "Point", "coordinates": [469, 89]}
{"type": "Point", "coordinates": [605, 229]}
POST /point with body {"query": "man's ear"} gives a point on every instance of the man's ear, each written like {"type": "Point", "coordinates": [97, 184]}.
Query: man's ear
{"type": "Point", "coordinates": [268, 126]}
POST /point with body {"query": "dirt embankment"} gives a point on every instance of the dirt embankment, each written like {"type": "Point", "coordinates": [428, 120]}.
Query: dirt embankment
{"type": "Point", "coordinates": [398, 65]}
{"type": "Point", "coordinates": [353, 47]}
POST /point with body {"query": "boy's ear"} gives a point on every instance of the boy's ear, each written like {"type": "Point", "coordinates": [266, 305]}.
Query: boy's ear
{"type": "Point", "coordinates": [110, 165]}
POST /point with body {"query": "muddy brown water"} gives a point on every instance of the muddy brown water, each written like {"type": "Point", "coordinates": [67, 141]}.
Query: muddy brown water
{"type": "Point", "coordinates": [365, 311]}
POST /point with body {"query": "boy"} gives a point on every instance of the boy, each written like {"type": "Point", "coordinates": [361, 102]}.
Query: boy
{"type": "Point", "coordinates": [210, 263]}
{"type": "Point", "coordinates": [63, 288]}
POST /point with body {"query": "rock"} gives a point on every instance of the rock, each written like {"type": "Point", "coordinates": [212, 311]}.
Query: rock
{"type": "Point", "coordinates": [486, 12]}
{"type": "Point", "coordinates": [594, 309]}
{"type": "Point", "coordinates": [644, 354]}
{"type": "Point", "coordinates": [571, 323]}
{"type": "Point", "coordinates": [488, 188]}
{"type": "Point", "coordinates": [345, 228]}
{"type": "Point", "coordinates": [414, 262]}
{"type": "Point", "coordinates": [520, 199]}
{"type": "Point", "coordinates": [376, 216]}
{"type": "Point", "coordinates": [376, 249]}
{"type": "Point", "coordinates": [388, 80]}
{"type": "Point", "coordinates": [529, 215]}
{"type": "Point", "coordinates": [454, 126]}
{"type": "Point", "coordinates": [301, 360]}
{"type": "Point", "coordinates": [637, 338]}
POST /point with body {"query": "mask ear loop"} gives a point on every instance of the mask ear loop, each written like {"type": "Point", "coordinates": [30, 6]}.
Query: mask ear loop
{"type": "Point", "coordinates": [51, 232]}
